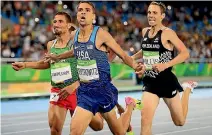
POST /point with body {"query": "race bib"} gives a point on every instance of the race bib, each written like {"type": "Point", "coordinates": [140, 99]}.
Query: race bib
{"type": "Point", "coordinates": [150, 58]}
{"type": "Point", "coordinates": [54, 97]}
{"type": "Point", "coordinates": [87, 70]}
{"type": "Point", "coordinates": [61, 72]}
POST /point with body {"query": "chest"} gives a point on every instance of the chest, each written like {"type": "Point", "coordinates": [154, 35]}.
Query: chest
{"type": "Point", "coordinates": [97, 42]}
{"type": "Point", "coordinates": [151, 43]}
{"type": "Point", "coordinates": [156, 43]}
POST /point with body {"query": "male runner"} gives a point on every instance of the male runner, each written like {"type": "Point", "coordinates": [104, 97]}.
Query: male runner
{"type": "Point", "coordinates": [96, 93]}
{"type": "Point", "coordinates": [64, 101]}
{"type": "Point", "coordinates": [159, 82]}
{"type": "Point", "coordinates": [64, 76]}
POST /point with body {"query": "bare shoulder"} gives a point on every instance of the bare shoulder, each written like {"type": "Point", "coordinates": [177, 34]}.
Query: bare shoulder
{"type": "Point", "coordinates": [168, 31]}
{"type": "Point", "coordinates": [145, 30]}
{"type": "Point", "coordinates": [103, 34]}
{"type": "Point", "coordinates": [101, 31]}
{"type": "Point", "coordinates": [49, 44]}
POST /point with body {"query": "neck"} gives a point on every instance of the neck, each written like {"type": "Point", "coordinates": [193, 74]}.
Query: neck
{"type": "Point", "coordinates": [156, 28]}
{"type": "Point", "coordinates": [86, 30]}
{"type": "Point", "coordinates": [64, 38]}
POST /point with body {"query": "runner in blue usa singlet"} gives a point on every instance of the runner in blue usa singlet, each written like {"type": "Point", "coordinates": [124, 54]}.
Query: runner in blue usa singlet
{"type": "Point", "coordinates": [96, 93]}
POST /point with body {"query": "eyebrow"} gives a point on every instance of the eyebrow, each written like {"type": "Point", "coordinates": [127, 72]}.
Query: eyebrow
{"type": "Point", "coordinates": [58, 20]}
{"type": "Point", "coordinates": [152, 11]}
{"type": "Point", "coordinates": [85, 8]}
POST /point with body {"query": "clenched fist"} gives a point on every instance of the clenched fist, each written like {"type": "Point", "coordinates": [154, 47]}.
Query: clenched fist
{"type": "Point", "coordinates": [18, 66]}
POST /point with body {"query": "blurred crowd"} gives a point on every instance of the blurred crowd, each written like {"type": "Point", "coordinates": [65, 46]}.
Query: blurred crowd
{"type": "Point", "coordinates": [31, 28]}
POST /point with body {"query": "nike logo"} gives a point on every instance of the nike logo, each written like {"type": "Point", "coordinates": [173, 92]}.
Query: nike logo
{"type": "Point", "coordinates": [174, 92]}
{"type": "Point", "coordinates": [106, 106]}
{"type": "Point", "coordinates": [76, 47]}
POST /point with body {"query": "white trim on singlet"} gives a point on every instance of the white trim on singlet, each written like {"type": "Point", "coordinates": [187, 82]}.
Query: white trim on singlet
{"type": "Point", "coordinates": [55, 41]}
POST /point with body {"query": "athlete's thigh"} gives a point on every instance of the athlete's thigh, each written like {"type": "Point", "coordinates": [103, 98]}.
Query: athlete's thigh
{"type": "Point", "coordinates": [56, 115]}
{"type": "Point", "coordinates": [150, 102]}
{"type": "Point", "coordinates": [175, 106]}
{"type": "Point", "coordinates": [80, 120]}
{"type": "Point", "coordinates": [113, 122]}
{"type": "Point", "coordinates": [97, 122]}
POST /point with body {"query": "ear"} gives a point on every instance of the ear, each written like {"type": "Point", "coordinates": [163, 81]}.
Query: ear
{"type": "Point", "coordinates": [69, 25]}
{"type": "Point", "coordinates": [94, 19]}
{"type": "Point", "coordinates": [163, 16]}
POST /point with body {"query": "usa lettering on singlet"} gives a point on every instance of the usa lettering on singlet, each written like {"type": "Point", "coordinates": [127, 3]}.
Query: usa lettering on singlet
{"type": "Point", "coordinates": [87, 69]}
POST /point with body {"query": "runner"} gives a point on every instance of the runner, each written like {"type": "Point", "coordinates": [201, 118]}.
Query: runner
{"type": "Point", "coordinates": [159, 82]}
{"type": "Point", "coordinates": [96, 93]}
{"type": "Point", "coordinates": [64, 76]}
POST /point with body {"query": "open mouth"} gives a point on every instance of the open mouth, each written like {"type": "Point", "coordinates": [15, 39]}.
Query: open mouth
{"type": "Point", "coordinates": [82, 17]}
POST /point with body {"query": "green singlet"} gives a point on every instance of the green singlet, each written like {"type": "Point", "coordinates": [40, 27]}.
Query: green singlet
{"type": "Point", "coordinates": [64, 72]}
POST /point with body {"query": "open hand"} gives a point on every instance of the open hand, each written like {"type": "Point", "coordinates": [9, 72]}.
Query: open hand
{"type": "Point", "coordinates": [65, 92]}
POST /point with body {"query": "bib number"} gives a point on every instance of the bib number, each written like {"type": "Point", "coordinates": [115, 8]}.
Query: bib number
{"type": "Point", "coordinates": [61, 72]}
{"type": "Point", "coordinates": [54, 97]}
{"type": "Point", "coordinates": [150, 58]}
{"type": "Point", "coordinates": [87, 70]}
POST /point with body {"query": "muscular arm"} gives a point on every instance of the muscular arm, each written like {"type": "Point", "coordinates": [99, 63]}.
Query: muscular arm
{"type": "Point", "coordinates": [139, 54]}
{"type": "Point", "coordinates": [111, 43]}
{"type": "Point", "coordinates": [65, 55]}
{"type": "Point", "coordinates": [183, 52]}
{"type": "Point", "coordinates": [58, 57]}
{"type": "Point", "coordinates": [34, 65]}
{"type": "Point", "coordinates": [37, 65]}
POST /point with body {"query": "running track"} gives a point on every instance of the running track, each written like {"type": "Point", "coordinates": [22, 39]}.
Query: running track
{"type": "Point", "coordinates": [24, 117]}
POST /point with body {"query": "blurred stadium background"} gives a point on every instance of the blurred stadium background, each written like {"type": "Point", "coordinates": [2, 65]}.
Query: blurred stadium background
{"type": "Point", "coordinates": [26, 28]}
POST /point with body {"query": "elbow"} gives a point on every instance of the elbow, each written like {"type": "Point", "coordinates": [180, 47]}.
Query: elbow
{"type": "Point", "coordinates": [187, 55]}
{"type": "Point", "coordinates": [124, 58]}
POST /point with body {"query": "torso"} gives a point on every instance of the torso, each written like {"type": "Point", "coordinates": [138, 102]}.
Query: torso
{"type": "Point", "coordinates": [90, 50]}
{"type": "Point", "coordinates": [64, 72]}
{"type": "Point", "coordinates": [154, 51]}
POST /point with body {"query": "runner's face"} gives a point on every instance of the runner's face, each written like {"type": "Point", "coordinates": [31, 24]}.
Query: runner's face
{"type": "Point", "coordinates": [60, 25]}
{"type": "Point", "coordinates": [154, 15]}
{"type": "Point", "coordinates": [85, 14]}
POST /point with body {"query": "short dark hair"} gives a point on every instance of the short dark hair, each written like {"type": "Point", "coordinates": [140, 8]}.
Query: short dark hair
{"type": "Point", "coordinates": [68, 18]}
{"type": "Point", "coordinates": [161, 5]}
{"type": "Point", "coordinates": [89, 3]}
